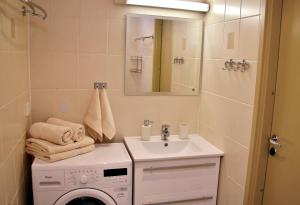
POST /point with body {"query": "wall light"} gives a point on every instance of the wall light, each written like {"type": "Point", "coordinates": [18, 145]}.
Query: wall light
{"type": "Point", "coordinates": [173, 4]}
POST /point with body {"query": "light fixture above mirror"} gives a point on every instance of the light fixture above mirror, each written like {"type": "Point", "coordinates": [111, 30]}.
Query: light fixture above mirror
{"type": "Point", "coordinates": [171, 4]}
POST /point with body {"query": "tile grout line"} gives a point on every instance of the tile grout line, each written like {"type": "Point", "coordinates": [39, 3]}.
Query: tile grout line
{"type": "Point", "coordinates": [12, 100]}
{"type": "Point", "coordinates": [225, 136]}
{"type": "Point", "coordinates": [227, 98]}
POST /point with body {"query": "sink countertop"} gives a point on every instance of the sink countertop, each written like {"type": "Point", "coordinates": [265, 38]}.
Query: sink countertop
{"type": "Point", "coordinates": [194, 146]}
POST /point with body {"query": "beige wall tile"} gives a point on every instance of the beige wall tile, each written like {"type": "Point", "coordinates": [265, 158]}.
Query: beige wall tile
{"type": "Point", "coordinates": [93, 35]}
{"type": "Point", "coordinates": [65, 8]}
{"type": "Point", "coordinates": [213, 43]}
{"type": "Point", "coordinates": [66, 105]}
{"type": "Point", "coordinates": [217, 11]}
{"type": "Point", "coordinates": [4, 43]}
{"type": "Point", "coordinates": [116, 36]}
{"type": "Point", "coordinates": [6, 94]}
{"type": "Point", "coordinates": [237, 161]}
{"type": "Point", "coordinates": [63, 34]}
{"type": "Point", "coordinates": [40, 33]}
{"type": "Point", "coordinates": [13, 75]}
{"type": "Point", "coordinates": [249, 38]}
{"type": "Point", "coordinates": [231, 39]}
{"type": "Point", "coordinates": [94, 8]}
{"type": "Point", "coordinates": [63, 67]}
{"type": "Point", "coordinates": [40, 72]}
{"type": "Point", "coordinates": [230, 192]}
{"type": "Point", "coordinates": [55, 103]}
{"type": "Point", "coordinates": [42, 105]}
{"type": "Point", "coordinates": [250, 7]}
{"type": "Point", "coordinates": [2, 194]}
{"type": "Point", "coordinates": [168, 110]}
{"type": "Point", "coordinates": [115, 71]}
{"type": "Point", "coordinates": [91, 69]}
{"type": "Point", "coordinates": [84, 98]}
{"type": "Point", "coordinates": [10, 178]}
{"type": "Point", "coordinates": [233, 9]}
{"type": "Point", "coordinates": [215, 113]}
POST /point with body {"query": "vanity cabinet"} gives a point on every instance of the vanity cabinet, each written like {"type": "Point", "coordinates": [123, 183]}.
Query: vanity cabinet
{"type": "Point", "coordinates": [191, 181]}
{"type": "Point", "coordinates": [174, 171]}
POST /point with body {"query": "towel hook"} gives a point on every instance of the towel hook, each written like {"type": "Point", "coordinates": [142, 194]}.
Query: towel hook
{"type": "Point", "coordinates": [33, 6]}
{"type": "Point", "coordinates": [100, 85]}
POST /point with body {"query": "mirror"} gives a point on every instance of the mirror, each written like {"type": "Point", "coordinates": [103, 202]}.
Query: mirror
{"type": "Point", "coordinates": [163, 55]}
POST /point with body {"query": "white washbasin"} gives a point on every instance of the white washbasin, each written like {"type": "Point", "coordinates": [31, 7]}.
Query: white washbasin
{"type": "Point", "coordinates": [174, 147]}
{"type": "Point", "coordinates": [171, 147]}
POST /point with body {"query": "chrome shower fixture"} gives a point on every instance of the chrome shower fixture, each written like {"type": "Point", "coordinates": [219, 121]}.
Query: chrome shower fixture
{"type": "Point", "coordinates": [32, 9]}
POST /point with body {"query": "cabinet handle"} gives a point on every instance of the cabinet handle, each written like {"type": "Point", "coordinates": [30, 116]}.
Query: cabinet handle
{"type": "Point", "coordinates": [180, 167]}
{"type": "Point", "coordinates": [181, 201]}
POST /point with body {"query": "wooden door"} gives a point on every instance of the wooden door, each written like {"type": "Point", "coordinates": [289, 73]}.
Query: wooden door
{"type": "Point", "coordinates": [283, 171]}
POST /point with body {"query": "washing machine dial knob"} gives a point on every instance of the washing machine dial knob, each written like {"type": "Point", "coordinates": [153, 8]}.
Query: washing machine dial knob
{"type": "Point", "coordinates": [83, 179]}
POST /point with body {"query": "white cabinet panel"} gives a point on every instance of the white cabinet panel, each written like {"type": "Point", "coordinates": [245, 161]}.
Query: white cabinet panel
{"type": "Point", "coordinates": [189, 181]}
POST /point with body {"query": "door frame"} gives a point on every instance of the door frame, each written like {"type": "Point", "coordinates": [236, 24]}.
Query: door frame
{"type": "Point", "coordinates": [264, 100]}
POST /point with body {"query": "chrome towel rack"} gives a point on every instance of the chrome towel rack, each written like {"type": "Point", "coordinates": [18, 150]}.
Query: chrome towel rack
{"type": "Point", "coordinates": [138, 64]}
{"type": "Point", "coordinates": [33, 7]}
{"type": "Point", "coordinates": [143, 38]}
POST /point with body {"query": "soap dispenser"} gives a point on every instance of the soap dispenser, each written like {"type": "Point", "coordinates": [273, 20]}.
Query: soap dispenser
{"type": "Point", "coordinates": [146, 130]}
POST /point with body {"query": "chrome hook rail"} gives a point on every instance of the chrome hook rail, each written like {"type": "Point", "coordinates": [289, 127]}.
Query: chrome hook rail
{"type": "Point", "coordinates": [232, 65]}
{"type": "Point", "coordinates": [33, 6]}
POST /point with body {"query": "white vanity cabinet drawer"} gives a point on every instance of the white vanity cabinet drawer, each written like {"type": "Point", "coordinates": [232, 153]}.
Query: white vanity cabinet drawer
{"type": "Point", "coordinates": [187, 181]}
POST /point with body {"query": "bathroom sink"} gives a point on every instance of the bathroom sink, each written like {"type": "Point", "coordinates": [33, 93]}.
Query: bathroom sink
{"type": "Point", "coordinates": [173, 148]}
{"type": "Point", "coordinates": [183, 146]}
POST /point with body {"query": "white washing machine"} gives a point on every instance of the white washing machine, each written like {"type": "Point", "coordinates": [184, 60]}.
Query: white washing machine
{"type": "Point", "coordinates": [101, 177]}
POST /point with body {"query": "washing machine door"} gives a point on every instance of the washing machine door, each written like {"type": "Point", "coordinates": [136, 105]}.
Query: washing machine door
{"type": "Point", "coordinates": [85, 197]}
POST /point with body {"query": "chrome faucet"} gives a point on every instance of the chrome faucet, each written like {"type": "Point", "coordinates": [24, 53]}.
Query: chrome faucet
{"type": "Point", "coordinates": [165, 133]}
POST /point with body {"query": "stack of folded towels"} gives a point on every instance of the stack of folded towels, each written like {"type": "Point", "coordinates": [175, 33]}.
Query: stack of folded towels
{"type": "Point", "coordinates": [57, 139]}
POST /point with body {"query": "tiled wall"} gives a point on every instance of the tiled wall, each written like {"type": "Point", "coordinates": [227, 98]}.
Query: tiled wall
{"type": "Point", "coordinates": [226, 101]}
{"type": "Point", "coordinates": [83, 41]}
{"type": "Point", "coordinates": [14, 94]}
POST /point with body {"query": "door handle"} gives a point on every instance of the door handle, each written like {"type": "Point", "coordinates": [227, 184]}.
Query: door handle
{"type": "Point", "coordinates": [274, 140]}
{"type": "Point", "coordinates": [274, 144]}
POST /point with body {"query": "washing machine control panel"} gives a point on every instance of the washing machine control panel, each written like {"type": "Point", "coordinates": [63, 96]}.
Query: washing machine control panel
{"type": "Point", "coordinates": [81, 176]}
{"type": "Point", "coordinates": [110, 177]}
{"type": "Point", "coordinates": [115, 175]}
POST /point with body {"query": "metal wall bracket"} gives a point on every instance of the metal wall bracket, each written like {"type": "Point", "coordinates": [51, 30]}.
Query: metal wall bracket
{"type": "Point", "coordinates": [100, 85]}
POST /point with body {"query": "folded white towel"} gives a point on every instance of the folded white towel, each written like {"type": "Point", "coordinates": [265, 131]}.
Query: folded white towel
{"type": "Point", "coordinates": [93, 119]}
{"type": "Point", "coordinates": [48, 148]}
{"type": "Point", "coordinates": [56, 134]}
{"type": "Point", "coordinates": [78, 129]}
{"type": "Point", "coordinates": [61, 155]}
{"type": "Point", "coordinates": [108, 123]}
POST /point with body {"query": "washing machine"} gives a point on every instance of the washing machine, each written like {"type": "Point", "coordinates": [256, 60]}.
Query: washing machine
{"type": "Point", "coordinates": [101, 177]}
